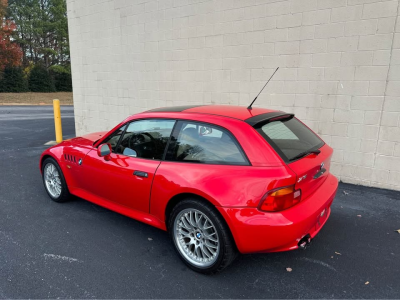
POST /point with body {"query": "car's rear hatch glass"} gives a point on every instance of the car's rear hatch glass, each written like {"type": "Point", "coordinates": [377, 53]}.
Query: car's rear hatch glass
{"type": "Point", "coordinates": [290, 138]}
{"type": "Point", "coordinates": [295, 143]}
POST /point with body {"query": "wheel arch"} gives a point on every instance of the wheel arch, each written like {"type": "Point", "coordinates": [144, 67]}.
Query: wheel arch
{"type": "Point", "coordinates": [182, 196]}
{"type": "Point", "coordinates": [43, 158]}
{"type": "Point", "coordinates": [56, 153]}
{"type": "Point", "coordinates": [62, 167]}
{"type": "Point", "coordinates": [175, 200]}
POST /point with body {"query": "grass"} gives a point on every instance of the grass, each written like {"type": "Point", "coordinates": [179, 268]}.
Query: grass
{"type": "Point", "coordinates": [35, 98]}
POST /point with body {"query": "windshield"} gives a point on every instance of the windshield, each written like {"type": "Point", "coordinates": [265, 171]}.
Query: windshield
{"type": "Point", "coordinates": [290, 138]}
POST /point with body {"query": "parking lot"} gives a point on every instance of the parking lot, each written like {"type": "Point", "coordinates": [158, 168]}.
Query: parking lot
{"type": "Point", "coordinates": [80, 250]}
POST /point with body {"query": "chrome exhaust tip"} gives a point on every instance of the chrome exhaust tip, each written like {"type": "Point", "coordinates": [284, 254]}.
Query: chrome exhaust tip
{"type": "Point", "coordinates": [305, 242]}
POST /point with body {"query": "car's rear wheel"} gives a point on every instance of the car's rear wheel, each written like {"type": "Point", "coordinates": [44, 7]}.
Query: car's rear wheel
{"type": "Point", "coordinates": [54, 181]}
{"type": "Point", "coordinates": [201, 237]}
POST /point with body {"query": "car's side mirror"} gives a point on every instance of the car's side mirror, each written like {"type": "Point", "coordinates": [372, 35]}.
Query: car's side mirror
{"type": "Point", "coordinates": [104, 150]}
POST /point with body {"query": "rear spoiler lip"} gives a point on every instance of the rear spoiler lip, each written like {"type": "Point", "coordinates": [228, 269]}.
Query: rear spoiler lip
{"type": "Point", "coordinates": [263, 119]}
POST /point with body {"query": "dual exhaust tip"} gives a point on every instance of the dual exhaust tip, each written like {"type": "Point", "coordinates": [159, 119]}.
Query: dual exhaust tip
{"type": "Point", "coordinates": [305, 242]}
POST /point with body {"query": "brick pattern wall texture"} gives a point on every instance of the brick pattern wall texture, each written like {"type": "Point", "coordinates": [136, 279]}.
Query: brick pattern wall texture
{"type": "Point", "coordinates": [339, 59]}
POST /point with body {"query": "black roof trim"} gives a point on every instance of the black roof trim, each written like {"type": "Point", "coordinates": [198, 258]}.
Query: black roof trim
{"type": "Point", "coordinates": [267, 117]}
{"type": "Point", "coordinates": [173, 108]}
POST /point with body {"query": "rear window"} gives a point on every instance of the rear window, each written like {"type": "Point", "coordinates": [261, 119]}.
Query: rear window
{"type": "Point", "coordinates": [290, 137]}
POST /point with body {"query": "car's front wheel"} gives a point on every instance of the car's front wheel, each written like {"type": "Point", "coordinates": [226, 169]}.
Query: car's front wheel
{"type": "Point", "coordinates": [54, 181]}
{"type": "Point", "coordinates": [201, 237]}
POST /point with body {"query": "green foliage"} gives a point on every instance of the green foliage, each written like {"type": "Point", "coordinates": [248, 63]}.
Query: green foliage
{"type": "Point", "coordinates": [60, 69]}
{"type": "Point", "coordinates": [62, 78]}
{"type": "Point", "coordinates": [63, 82]}
{"type": "Point", "coordinates": [13, 80]}
{"type": "Point", "coordinates": [40, 80]}
{"type": "Point", "coordinates": [28, 69]}
{"type": "Point", "coordinates": [42, 31]}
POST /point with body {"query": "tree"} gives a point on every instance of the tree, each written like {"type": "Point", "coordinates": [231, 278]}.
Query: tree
{"type": "Point", "coordinates": [13, 80]}
{"type": "Point", "coordinates": [10, 52]}
{"type": "Point", "coordinates": [42, 31]}
{"type": "Point", "coordinates": [3, 8]}
{"type": "Point", "coordinates": [40, 80]}
{"type": "Point", "coordinates": [63, 82]}
{"type": "Point", "coordinates": [35, 33]}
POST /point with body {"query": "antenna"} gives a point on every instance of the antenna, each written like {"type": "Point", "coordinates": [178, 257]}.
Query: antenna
{"type": "Point", "coordinates": [250, 106]}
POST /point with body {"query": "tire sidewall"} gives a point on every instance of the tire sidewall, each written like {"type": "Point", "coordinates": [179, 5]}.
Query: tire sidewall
{"type": "Point", "coordinates": [205, 209]}
{"type": "Point", "coordinates": [64, 189]}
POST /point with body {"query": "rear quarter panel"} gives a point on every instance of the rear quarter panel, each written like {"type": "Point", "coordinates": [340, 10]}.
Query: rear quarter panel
{"type": "Point", "coordinates": [222, 185]}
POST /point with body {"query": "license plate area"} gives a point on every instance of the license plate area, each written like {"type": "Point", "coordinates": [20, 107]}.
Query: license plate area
{"type": "Point", "coordinates": [321, 219]}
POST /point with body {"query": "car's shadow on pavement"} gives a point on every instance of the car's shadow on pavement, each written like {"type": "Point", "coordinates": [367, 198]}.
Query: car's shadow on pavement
{"type": "Point", "coordinates": [341, 261]}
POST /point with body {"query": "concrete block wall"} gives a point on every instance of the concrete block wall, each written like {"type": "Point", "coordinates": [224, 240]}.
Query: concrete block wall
{"type": "Point", "coordinates": [339, 59]}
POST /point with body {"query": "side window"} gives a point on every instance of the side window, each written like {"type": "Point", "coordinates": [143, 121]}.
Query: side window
{"type": "Point", "coordinates": [204, 143]}
{"type": "Point", "coordinates": [114, 138]}
{"type": "Point", "coordinates": [146, 138]}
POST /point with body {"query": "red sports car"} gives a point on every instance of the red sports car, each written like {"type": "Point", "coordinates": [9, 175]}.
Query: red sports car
{"type": "Point", "coordinates": [220, 179]}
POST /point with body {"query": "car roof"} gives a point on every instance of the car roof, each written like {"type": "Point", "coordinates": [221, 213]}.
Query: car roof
{"type": "Point", "coordinates": [230, 111]}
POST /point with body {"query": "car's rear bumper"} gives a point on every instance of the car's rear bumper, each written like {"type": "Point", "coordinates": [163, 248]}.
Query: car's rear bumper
{"type": "Point", "coordinates": [257, 231]}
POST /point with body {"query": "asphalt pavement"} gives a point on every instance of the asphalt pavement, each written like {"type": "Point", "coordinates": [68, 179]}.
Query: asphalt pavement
{"type": "Point", "coordinates": [80, 250]}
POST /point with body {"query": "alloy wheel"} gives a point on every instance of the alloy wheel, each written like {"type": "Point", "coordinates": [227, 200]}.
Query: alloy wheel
{"type": "Point", "coordinates": [196, 238]}
{"type": "Point", "coordinates": [52, 180]}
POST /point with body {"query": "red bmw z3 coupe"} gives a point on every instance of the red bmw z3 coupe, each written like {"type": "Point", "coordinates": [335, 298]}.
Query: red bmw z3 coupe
{"type": "Point", "coordinates": [221, 180]}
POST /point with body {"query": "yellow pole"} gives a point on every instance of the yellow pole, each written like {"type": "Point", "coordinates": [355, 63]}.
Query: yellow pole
{"type": "Point", "coordinates": [57, 120]}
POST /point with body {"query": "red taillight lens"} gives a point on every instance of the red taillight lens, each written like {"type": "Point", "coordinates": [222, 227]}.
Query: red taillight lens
{"type": "Point", "coordinates": [280, 199]}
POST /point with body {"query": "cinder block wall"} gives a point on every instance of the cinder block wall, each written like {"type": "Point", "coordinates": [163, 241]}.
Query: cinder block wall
{"type": "Point", "coordinates": [339, 59]}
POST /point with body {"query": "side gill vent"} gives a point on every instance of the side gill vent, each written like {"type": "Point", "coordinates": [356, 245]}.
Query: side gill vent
{"type": "Point", "coordinates": [70, 158]}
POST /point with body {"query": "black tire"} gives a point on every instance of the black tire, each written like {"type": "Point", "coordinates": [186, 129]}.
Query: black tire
{"type": "Point", "coordinates": [227, 251]}
{"type": "Point", "coordinates": [64, 195]}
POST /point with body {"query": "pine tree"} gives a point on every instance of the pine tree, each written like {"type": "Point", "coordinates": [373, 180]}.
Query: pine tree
{"type": "Point", "coordinates": [13, 80]}
{"type": "Point", "coordinates": [63, 82]}
{"type": "Point", "coordinates": [41, 31]}
{"type": "Point", "coordinates": [40, 80]}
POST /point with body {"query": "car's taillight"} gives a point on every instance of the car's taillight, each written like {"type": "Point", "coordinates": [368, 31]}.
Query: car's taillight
{"type": "Point", "coordinates": [280, 199]}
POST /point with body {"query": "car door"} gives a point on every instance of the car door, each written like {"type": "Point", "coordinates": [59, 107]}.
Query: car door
{"type": "Point", "coordinates": [125, 177]}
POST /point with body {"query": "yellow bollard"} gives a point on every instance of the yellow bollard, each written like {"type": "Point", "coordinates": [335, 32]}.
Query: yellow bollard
{"type": "Point", "coordinates": [57, 120]}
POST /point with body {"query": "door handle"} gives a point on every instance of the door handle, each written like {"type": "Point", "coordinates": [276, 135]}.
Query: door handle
{"type": "Point", "coordinates": [141, 174]}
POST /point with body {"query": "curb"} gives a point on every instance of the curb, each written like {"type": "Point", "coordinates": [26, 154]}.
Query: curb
{"type": "Point", "coordinates": [30, 104]}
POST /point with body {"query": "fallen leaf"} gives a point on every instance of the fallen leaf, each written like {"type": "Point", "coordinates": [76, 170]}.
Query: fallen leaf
{"type": "Point", "coordinates": [289, 269]}
{"type": "Point", "coordinates": [359, 216]}
{"type": "Point", "coordinates": [367, 283]}
{"type": "Point", "coordinates": [338, 253]}
{"type": "Point", "coordinates": [150, 239]}
{"type": "Point", "coordinates": [398, 231]}
{"type": "Point", "coordinates": [346, 193]}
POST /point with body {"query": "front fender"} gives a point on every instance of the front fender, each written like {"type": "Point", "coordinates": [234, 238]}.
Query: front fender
{"type": "Point", "coordinates": [67, 154]}
{"type": "Point", "coordinates": [55, 152]}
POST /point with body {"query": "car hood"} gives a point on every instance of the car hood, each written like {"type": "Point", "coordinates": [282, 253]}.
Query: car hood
{"type": "Point", "coordinates": [88, 139]}
{"type": "Point", "coordinates": [94, 136]}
